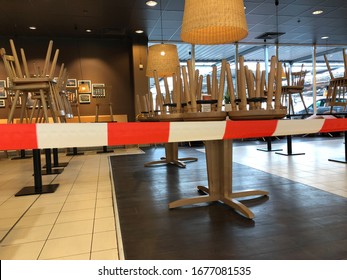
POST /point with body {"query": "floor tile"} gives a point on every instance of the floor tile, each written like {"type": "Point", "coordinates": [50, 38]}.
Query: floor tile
{"type": "Point", "coordinates": [72, 229]}
{"type": "Point", "coordinates": [104, 241]}
{"type": "Point", "coordinates": [7, 223]}
{"type": "Point", "coordinates": [104, 202]}
{"type": "Point", "coordinates": [105, 255]}
{"type": "Point", "coordinates": [76, 215]}
{"type": "Point", "coordinates": [26, 235]}
{"type": "Point", "coordinates": [75, 257]}
{"type": "Point", "coordinates": [44, 209]}
{"type": "Point", "coordinates": [27, 251]}
{"type": "Point", "coordinates": [104, 224]}
{"type": "Point", "coordinates": [37, 220]}
{"type": "Point", "coordinates": [103, 212]}
{"type": "Point", "coordinates": [79, 205]}
{"type": "Point", "coordinates": [68, 246]}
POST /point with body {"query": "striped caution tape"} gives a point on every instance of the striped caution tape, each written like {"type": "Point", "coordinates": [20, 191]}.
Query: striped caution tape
{"type": "Point", "coordinates": [62, 135]}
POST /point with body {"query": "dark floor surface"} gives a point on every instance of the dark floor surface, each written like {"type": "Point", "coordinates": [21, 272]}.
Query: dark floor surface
{"type": "Point", "coordinates": [295, 222]}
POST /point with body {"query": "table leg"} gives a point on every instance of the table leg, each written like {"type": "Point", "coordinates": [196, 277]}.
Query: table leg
{"type": "Point", "coordinates": [22, 155]}
{"type": "Point", "coordinates": [105, 150]}
{"type": "Point", "coordinates": [171, 157]}
{"type": "Point", "coordinates": [269, 146]}
{"type": "Point", "coordinates": [56, 162]}
{"type": "Point", "coordinates": [38, 188]}
{"type": "Point", "coordinates": [219, 173]}
{"type": "Point", "coordinates": [48, 167]}
{"type": "Point", "coordinates": [290, 148]}
{"type": "Point", "coordinates": [74, 152]}
{"type": "Point", "coordinates": [342, 160]}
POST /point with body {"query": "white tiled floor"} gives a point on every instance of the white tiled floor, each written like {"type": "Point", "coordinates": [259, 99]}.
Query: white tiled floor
{"type": "Point", "coordinates": [313, 168]}
{"type": "Point", "coordinates": [78, 220]}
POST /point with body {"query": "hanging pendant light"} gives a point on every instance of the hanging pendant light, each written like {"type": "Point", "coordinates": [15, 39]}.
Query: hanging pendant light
{"type": "Point", "coordinates": [162, 57]}
{"type": "Point", "coordinates": [210, 22]}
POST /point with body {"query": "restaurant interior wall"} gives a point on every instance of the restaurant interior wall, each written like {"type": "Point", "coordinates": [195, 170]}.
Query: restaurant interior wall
{"type": "Point", "coordinates": [101, 60]}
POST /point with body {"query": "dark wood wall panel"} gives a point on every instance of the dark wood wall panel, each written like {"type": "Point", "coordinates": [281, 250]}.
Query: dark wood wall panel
{"type": "Point", "coordinates": [103, 60]}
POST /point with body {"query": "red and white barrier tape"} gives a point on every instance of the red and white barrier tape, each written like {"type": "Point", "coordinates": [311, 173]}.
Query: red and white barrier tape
{"type": "Point", "coordinates": [61, 135]}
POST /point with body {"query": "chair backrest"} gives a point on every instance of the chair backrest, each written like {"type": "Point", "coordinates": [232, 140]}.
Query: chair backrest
{"type": "Point", "coordinates": [295, 79]}
{"type": "Point", "coordinates": [11, 67]}
{"type": "Point", "coordinates": [16, 60]}
{"type": "Point", "coordinates": [49, 66]}
{"type": "Point", "coordinates": [298, 78]}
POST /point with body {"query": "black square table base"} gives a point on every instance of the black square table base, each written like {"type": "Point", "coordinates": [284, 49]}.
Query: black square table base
{"type": "Point", "coordinates": [104, 150]}
{"type": "Point", "coordinates": [31, 190]}
{"type": "Point", "coordinates": [338, 160]}
{"type": "Point", "coordinates": [54, 171]}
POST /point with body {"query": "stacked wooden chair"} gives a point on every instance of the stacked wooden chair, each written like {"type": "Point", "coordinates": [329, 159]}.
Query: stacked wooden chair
{"type": "Point", "coordinates": [41, 86]}
{"type": "Point", "coordinates": [295, 85]}
{"type": "Point", "coordinates": [256, 98]}
{"type": "Point", "coordinates": [251, 98]}
{"type": "Point", "coordinates": [337, 89]}
{"type": "Point", "coordinates": [103, 100]}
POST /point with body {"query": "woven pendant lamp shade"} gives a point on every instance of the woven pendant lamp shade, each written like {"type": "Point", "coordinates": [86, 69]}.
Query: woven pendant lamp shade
{"type": "Point", "coordinates": [212, 22]}
{"type": "Point", "coordinates": [163, 58]}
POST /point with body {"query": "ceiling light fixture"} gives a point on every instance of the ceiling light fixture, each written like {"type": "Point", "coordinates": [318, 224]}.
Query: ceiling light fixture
{"type": "Point", "coordinates": [215, 22]}
{"type": "Point", "coordinates": [139, 31]}
{"type": "Point", "coordinates": [88, 30]}
{"type": "Point", "coordinates": [317, 12]}
{"type": "Point", "coordinates": [151, 3]}
{"type": "Point", "coordinates": [32, 27]}
{"type": "Point", "coordinates": [324, 37]}
{"type": "Point", "coordinates": [162, 58]}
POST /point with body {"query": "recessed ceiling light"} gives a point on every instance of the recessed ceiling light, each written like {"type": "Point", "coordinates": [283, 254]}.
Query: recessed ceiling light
{"type": "Point", "coordinates": [88, 30]}
{"type": "Point", "coordinates": [151, 3]}
{"type": "Point", "coordinates": [317, 12]}
{"type": "Point", "coordinates": [139, 31]}
{"type": "Point", "coordinates": [325, 37]}
{"type": "Point", "coordinates": [32, 27]}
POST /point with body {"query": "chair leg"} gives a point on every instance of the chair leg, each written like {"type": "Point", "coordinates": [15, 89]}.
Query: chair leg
{"type": "Point", "coordinates": [13, 107]}
{"type": "Point", "coordinates": [290, 104]}
{"type": "Point", "coordinates": [97, 113]}
{"type": "Point", "coordinates": [111, 113]}
{"type": "Point", "coordinates": [33, 110]}
{"type": "Point", "coordinates": [303, 102]}
{"type": "Point", "coordinates": [44, 105]}
{"type": "Point", "coordinates": [23, 107]}
{"type": "Point", "coordinates": [78, 113]}
{"type": "Point", "coordinates": [53, 108]}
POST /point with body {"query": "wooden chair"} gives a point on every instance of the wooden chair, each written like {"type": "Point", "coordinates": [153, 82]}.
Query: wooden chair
{"type": "Point", "coordinates": [295, 85]}
{"type": "Point", "coordinates": [72, 97]}
{"type": "Point", "coordinates": [337, 89]}
{"type": "Point", "coordinates": [40, 86]}
{"type": "Point", "coordinates": [103, 98]}
{"type": "Point", "coordinates": [337, 93]}
{"type": "Point", "coordinates": [47, 75]}
{"type": "Point", "coordinates": [62, 95]}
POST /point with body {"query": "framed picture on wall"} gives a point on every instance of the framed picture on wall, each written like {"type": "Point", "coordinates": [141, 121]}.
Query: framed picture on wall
{"type": "Point", "coordinates": [71, 83]}
{"type": "Point", "coordinates": [98, 90]}
{"type": "Point", "coordinates": [72, 95]}
{"type": "Point", "coordinates": [84, 86]}
{"type": "Point", "coordinates": [84, 98]}
{"type": "Point", "coordinates": [2, 103]}
{"type": "Point", "coordinates": [3, 93]}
